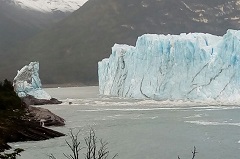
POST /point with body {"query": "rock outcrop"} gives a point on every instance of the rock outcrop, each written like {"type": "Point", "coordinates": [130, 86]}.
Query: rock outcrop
{"type": "Point", "coordinates": [30, 100]}
{"type": "Point", "coordinates": [45, 117]}
{"type": "Point", "coordinates": [23, 130]}
{"type": "Point", "coordinates": [21, 122]}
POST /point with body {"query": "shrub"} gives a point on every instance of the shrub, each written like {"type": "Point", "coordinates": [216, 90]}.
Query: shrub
{"type": "Point", "coordinates": [12, 155]}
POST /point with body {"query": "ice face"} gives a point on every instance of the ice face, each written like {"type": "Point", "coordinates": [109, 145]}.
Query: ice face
{"type": "Point", "coordinates": [193, 66]}
{"type": "Point", "coordinates": [27, 82]}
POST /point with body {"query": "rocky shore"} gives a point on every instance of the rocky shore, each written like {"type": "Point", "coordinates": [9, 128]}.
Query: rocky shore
{"type": "Point", "coordinates": [44, 117]}
{"type": "Point", "coordinates": [22, 130]}
{"type": "Point", "coordinates": [28, 127]}
{"type": "Point", "coordinates": [31, 100]}
{"type": "Point", "coordinates": [41, 115]}
{"type": "Point", "coordinates": [21, 121]}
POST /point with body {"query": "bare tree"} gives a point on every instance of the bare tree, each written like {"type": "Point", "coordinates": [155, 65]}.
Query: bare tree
{"type": "Point", "coordinates": [52, 156]}
{"type": "Point", "coordinates": [74, 146]}
{"type": "Point", "coordinates": [92, 151]}
{"type": "Point", "coordinates": [95, 149]}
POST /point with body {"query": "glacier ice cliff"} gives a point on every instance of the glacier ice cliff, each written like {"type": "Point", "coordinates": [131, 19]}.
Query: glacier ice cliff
{"type": "Point", "coordinates": [27, 82]}
{"type": "Point", "coordinates": [194, 66]}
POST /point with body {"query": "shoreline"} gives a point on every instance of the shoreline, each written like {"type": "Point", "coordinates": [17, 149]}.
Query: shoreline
{"type": "Point", "coordinates": [141, 101]}
{"type": "Point", "coordinates": [68, 85]}
{"type": "Point", "coordinates": [24, 131]}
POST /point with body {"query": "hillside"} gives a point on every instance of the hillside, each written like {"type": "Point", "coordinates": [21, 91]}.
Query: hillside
{"type": "Point", "coordinates": [22, 19]}
{"type": "Point", "coordinates": [69, 51]}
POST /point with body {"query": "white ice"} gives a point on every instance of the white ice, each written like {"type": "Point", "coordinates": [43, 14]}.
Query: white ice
{"type": "Point", "coordinates": [192, 66]}
{"type": "Point", "coordinates": [27, 82]}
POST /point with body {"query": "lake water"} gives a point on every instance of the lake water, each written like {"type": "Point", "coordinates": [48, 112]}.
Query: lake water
{"type": "Point", "coordinates": [142, 129]}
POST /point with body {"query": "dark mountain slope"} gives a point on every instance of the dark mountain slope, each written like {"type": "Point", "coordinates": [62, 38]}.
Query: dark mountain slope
{"type": "Point", "coordinates": [69, 51]}
{"type": "Point", "coordinates": [18, 24]}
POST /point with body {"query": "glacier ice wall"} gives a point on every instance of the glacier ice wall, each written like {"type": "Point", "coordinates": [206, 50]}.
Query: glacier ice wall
{"type": "Point", "coordinates": [192, 66]}
{"type": "Point", "coordinates": [27, 82]}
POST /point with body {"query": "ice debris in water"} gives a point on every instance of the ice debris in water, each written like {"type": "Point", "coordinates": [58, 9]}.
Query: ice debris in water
{"type": "Point", "coordinates": [27, 82]}
{"type": "Point", "coordinates": [192, 66]}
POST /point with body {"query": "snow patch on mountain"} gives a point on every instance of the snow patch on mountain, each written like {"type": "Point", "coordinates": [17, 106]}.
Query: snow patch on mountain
{"type": "Point", "coordinates": [50, 5]}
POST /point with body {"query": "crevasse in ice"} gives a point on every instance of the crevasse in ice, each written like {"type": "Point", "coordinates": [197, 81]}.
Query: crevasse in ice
{"type": "Point", "coordinates": [192, 66]}
{"type": "Point", "coordinates": [27, 82]}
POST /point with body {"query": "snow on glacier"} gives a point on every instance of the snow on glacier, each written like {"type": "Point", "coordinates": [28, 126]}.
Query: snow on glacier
{"type": "Point", "coordinates": [194, 66]}
{"type": "Point", "coordinates": [27, 82]}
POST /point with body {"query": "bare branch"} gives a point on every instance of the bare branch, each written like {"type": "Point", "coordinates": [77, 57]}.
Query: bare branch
{"type": "Point", "coordinates": [193, 153]}
{"type": "Point", "coordinates": [51, 156]}
{"type": "Point", "coordinates": [95, 149]}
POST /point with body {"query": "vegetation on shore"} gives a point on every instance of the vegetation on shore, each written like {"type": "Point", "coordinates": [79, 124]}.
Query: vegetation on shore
{"type": "Point", "coordinates": [11, 110]}
{"type": "Point", "coordinates": [15, 122]}
{"type": "Point", "coordinates": [12, 155]}
{"type": "Point", "coordinates": [11, 105]}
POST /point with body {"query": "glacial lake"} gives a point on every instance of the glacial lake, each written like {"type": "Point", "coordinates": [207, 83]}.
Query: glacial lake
{"type": "Point", "coordinates": [141, 129]}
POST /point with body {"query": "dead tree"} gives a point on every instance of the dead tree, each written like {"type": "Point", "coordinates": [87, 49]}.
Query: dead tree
{"type": "Point", "coordinates": [95, 149]}
{"type": "Point", "coordinates": [74, 145]}
{"type": "Point", "coordinates": [93, 152]}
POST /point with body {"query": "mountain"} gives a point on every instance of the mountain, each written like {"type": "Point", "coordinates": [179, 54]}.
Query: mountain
{"type": "Point", "coordinates": [69, 51]}
{"type": "Point", "coordinates": [21, 19]}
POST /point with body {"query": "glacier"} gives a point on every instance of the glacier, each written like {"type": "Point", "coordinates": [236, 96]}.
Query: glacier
{"type": "Point", "coordinates": [193, 66]}
{"type": "Point", "coordinates": [27, 82]}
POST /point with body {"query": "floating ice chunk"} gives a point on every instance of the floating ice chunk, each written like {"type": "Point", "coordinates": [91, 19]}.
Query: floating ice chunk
{"type": "Point", "coordinates": [27, 82]}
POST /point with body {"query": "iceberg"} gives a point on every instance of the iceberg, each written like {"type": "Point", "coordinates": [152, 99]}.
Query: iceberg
{"type": "Point", "coordinates": [27, 82]}
{"type": "Point", "coordinates": [194, 66]}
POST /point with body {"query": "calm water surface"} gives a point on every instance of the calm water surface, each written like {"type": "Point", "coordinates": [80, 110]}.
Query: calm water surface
{"type": "Point", "coordinates": [142, 129]}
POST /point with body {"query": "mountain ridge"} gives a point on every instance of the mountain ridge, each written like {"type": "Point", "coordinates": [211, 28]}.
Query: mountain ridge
{"type": "Point", "coordinates": [69, 51]}
{"type": "Point", "coordinates": [18, 23]}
